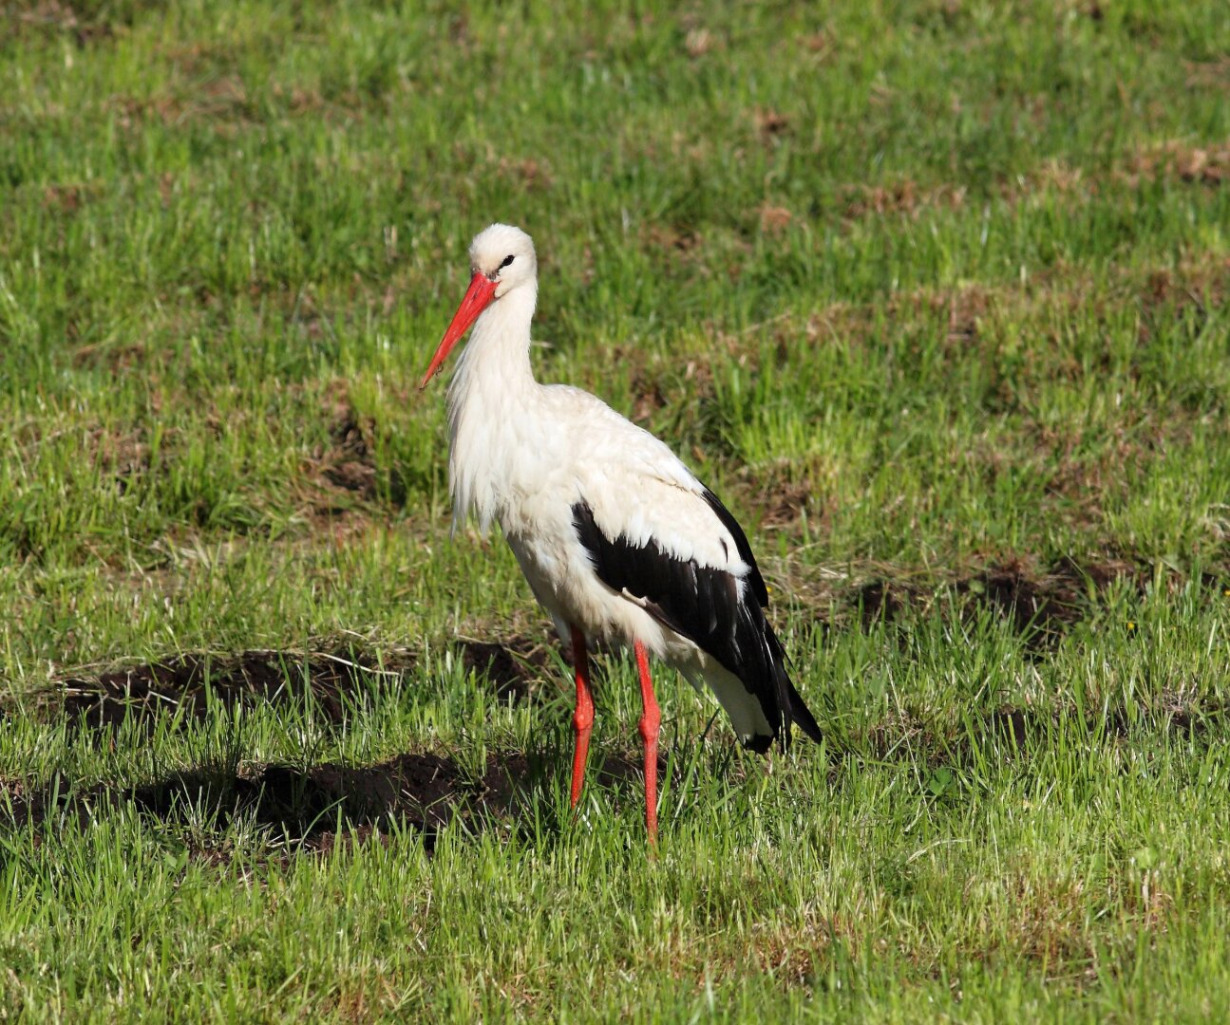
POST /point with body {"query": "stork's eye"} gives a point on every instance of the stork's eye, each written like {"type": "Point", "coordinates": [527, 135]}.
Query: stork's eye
{"type": "Point", "coordinates": [507, 261]}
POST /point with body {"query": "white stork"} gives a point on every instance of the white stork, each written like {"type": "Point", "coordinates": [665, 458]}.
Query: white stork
{"type": "Point", "coordinates": [620, 543]}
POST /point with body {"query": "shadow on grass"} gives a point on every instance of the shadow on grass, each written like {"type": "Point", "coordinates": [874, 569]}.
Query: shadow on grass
{"type": "Point", "coordinates": [309, 808]}
{"type": "Point", "coordinates": [313, 809]}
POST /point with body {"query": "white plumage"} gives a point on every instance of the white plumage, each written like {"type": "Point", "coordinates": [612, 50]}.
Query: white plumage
{"type": "Point", "coordinates": [618, 539]}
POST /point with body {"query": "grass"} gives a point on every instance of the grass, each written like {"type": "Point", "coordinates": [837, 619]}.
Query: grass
{"type": "Point", "coordinates": [932, 293]}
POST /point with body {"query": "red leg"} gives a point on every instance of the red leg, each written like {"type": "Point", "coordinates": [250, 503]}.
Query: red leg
{"type": "Point", "coordinates": [583, 719]}
{"type": "Point", "coordinates": [650, 719]}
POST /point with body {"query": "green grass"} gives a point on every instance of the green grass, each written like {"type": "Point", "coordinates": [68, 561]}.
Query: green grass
{"type": "Point", "coordinates": [934, 294]}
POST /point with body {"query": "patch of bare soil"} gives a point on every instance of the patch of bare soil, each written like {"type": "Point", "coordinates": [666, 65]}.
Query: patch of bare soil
{"type": "Point", "coordinates": [348, 463]}
{"type": "Point", "coordinates": [514, 670]}
{"type": "Point", "coordinates": [902, 198]}
{"type": "Point", "coordinates": [1174, 160]}
{"type": "Point", "coordinates": [345, 469]}
{"type": "Point", "coordinates": [1040, 605]}
{"type": "Point", "coordinates": [770, 125]}
{"type": "Point", "coordinates": [530, 174]}
{"type": "Point", "coordinates": [1203, 165]}
{"type": "Point", "coordinates": [309, 808]}
{"type": "Point", "coordinates": [188, 682]}
{"type": "Point", "coordinates": [1008, 728]}
{"type": "Point", "coordinates": [1036, 606]}
{"type": "Point", "coordinates": [1012, 731]}
{"type": "Point", "coordinates": [671, 239]}
{"type": "Point", "coordinates": [118, 357]}
{"type": "Point", "coordinates": [52, 17]}
{"type": "Point", "coordinates": [334, 681]}
{"type": "Point", "coordinates": [1214, 74]}
{"type": "Point", "coordinates": [295, 805]}
{"type": "Point", "coordinates": [774, 220]}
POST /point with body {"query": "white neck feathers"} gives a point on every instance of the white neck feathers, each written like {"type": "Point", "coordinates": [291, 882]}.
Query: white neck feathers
{"type": "Point", "coordinates": [491, 391]}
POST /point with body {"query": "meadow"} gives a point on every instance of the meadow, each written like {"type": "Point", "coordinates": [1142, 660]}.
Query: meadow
{"type": "Point", "coordinates": [931, 292]}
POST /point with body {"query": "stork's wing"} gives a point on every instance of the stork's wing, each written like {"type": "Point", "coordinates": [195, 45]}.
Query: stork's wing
{"type": "Point", "coordinates": [659, 537]}
{"type": "Point", "coordinates": [640, 493]}
{"type": "Point", "coordinates": [698, 602]}
{"type": "Point", "coordinates": [741, 546]}
{"type": "Point", "coordinates": [711, 607]}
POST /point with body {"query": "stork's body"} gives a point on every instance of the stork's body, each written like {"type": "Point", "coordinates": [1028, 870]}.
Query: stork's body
{"type": "Point", "coordinates": [620, 543]}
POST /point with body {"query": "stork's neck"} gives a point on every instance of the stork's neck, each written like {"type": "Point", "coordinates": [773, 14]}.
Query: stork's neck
{"type": "Point", "coordinates": [499, 345]}
{"type": "Point", "coordinates": [491, 401]}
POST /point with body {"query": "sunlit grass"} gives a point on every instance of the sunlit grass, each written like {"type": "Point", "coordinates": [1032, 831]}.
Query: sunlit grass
{"type": "Point", "coordinates": [933, 295]}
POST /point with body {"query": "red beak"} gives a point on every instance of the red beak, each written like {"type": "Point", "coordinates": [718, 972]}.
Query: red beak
{"type": "Point", "coordinates": [477, 298]}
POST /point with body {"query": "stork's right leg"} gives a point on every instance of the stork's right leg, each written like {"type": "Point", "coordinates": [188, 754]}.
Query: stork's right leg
{"type": "Point", "coordinates": [583, 719]}
{"type": "Point", "coordinates": [650, 720]}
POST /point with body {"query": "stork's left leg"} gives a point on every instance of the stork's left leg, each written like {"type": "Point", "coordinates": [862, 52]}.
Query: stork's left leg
{"type": "Point", "coordinates": [650, 719]}
{"type": "Point", "coordinates": [583, 719]}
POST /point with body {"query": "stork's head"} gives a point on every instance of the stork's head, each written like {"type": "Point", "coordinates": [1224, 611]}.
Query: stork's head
{"type": "Point", "coordinates": [504, 255]}
{"type": "Point", "coordinates": [501, 260]}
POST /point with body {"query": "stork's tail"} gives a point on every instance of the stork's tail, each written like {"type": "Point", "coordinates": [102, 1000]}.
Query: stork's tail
{"type": "Point", "coordinates": [757, 693]}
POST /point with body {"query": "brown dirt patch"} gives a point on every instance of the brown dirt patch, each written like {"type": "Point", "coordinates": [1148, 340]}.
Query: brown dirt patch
{"type": "Point", "coordinates": [700, 41]}
{"type": "Point", "coordinates": [770, 124]}
{"type": "Point", "coordinates": [310, 808]}
{"type": "Point", "coordinates": [344, 469]}
{"type": "Point", "coordinates": [1039, 605]}
{"type": "Point", "coordinates": [773, 219]}
{"type": "Point", "coordinates": [671, 239]}
{"type": "Point", "coordinates": [883, 601]}
{"type": "Point", "coordinates": [1214, 74]}
{"type": "Point", "coordinates": [529, 173]}
{"type": "Point", "coordinates": [647, 387]}
{"type": "Point", "coordinates": [349, 464]}
{"type": "Point", "coordinates": [317, 807]}
{"type": "Point", "coordinates": [1012, 731]}
{"type": "Point", "coordinates": [68, 198]}
{"type": "Point", "coordinates": [782, 494]}
{"type": "Point", "coordinates": [899, 198]}
{"type": "Point", "coordinates": [515, 670]}
{"type": "Point", "coordinates": [1207, 165]}
{"type": "Point", "coordinates": [118, 358]}
{"type": "Point", "coordinates": [188, 684]}
{"type": "Point", "coordinates": [50, 16]}
{"type": "Point", "coordinates": [1203, 165]}
{"type": "Point", "coordinates": [295, 805]}
{"type": "Point", "coordinates": [1035, 606]}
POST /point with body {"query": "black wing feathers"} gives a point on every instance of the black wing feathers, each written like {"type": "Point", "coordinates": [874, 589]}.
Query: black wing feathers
{"type": "Point", "coordinates": [745, 550]}
{"type": "Point", "coordinates": [695, 601]}
{"type": "Point", "coordinates": [703, 604]}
